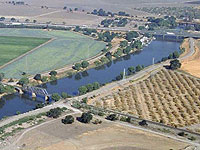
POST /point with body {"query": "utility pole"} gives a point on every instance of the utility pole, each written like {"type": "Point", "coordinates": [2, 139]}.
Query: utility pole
{"type": "Point", "coordinates": [26, 65]}
{"type": "Point", "coordinates": [124, 74]}
{"type": "Point", "coordinates": [153, 61]}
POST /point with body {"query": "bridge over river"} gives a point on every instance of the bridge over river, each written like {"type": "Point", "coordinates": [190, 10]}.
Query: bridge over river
{"type": "Point", "coordinates": [172, 34]}
{"type": "Point", "coordinates": [32, 91]}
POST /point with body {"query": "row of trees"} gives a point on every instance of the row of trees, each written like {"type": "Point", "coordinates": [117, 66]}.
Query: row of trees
{"type": "Point", "coordinates": [167, 21]}
{"type": "Point", "coordinates": [119, 22]}
{"type": "Point", "coordinates": [84, 64]}
{"type": "Point", "coordinates": [88, 88]}
{"type": "Point", "coordinates": [131, 70]}
{"type": "Point", "coordinates": [173, 55]}
{"type": "Point", "coordinates": [102, 12]}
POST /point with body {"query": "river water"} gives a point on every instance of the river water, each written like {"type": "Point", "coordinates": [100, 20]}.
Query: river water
{"type": "Point", "coordinates": [10, 104]}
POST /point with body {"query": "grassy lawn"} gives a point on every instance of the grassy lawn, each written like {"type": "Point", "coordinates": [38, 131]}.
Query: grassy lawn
{"type": "Point", "coordinates": [12, 47]}
{"type": "Point", "coordinates": [67, 48]}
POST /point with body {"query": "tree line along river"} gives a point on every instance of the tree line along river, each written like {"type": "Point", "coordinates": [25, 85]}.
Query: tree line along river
{"type": "Point", "coordinates": [10, 104]}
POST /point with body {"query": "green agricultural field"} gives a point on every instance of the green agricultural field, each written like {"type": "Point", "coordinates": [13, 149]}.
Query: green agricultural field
{"type": "Point", "coordinates": [12, 47]}
{"type": "Point", "coordinates": [66, 48]}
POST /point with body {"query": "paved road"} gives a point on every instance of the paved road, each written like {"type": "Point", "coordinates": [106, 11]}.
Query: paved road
{"type": "Point", "coordinates": [192, 50]}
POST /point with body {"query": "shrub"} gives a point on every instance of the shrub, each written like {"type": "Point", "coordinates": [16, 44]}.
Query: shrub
{"type": "Point", "coordinates": [181, 133]}
{"type": "Point", "coordinates": [1, 76]}
{"type": "Point", "coordinates": [11, 80]}
{"type": "Point", "coordinates": [84, 100]}
{"type": "Point", "coordinates": [175, 64]}
{"type": "Point", "coordinates": [77, 66]}
{"type": "Point", "coordinates": [23, 81]}
{"type": "Point", "coordinates": [97, 121]}
{"type": "Point", "coordinates": [39, 105]}
{"type": "Point", "coordinates": [192, 138]}
{"type": "Point", "coordinates": [56, 97]}
{"type": "Point", "coordinates": [53, 73]}
{"type": "Point", "coordinates": [53, 78]}
{"type": "Point", "coordinates": [38, 77]}
{"type": "Point", "coordinates": [76, 104]}
{"type": "Point", "coordinates": [84, 64]}
{"type": "Point", "coordinates": [68, 119]}
{"type": "Point", "coordinates": [64, 95]}
{"type": "Point", "coordinates": [143, 123]}
{"type": "Point", "coordinates": [44, 79]}
{"type": "Point", "coordinates": [82, 90]}
{"type": "Point", "coordinates": [86, 117]}
{"type": "Point", "coordinates": [112, 117]}
{"type": "Point", "coordinates": [54, 113]}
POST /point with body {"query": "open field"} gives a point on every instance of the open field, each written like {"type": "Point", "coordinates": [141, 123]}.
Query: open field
{"type": "Point", "coordinates": [12, 47]}
{"type": "Point", "coordinates": [191, 64]}
{"type": "Point", "coordinates": [57, 136]}
{"type": "Point", "coordinates": [66, 48]}
{"type": "Point", "coordinates": [168, 97]}
{"type": "Point", "coordinates": [56, 14]}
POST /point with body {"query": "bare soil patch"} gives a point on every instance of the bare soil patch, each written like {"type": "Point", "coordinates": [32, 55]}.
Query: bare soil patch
{"type": "Point", "coordinates": [56, 136]}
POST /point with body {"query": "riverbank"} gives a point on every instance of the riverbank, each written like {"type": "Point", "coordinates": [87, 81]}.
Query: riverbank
{"type": "Point", "coordinates": [110, 71]}
{"type": "Point", "coordinates": [68, 71]}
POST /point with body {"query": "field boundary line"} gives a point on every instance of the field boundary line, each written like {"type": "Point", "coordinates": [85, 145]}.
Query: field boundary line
{"type": "Point", "coordinates": [25, 54]}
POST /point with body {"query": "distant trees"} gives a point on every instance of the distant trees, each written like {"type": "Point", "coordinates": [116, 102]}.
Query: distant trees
{"type": "Point", "coordinates": [175, 64]}
{"type": "Point", "coordinates": [12, 19]}
{"type": "Point", "coordinates": [136, 44]}
{"type": "Point", "coordinates": [141, 27]}
{"type": "Point", "coordinates": [131, 35]}
{"type": "Point", "coordinates": [2, 18]}
{"type": "Point", "coordinates": [167, 21]}
{"type": "Point", "coordinates": [102, 12]}
{"type": "Point", "coordinates": [127, 50]}
{"type": "Point", "coordinates": [123, 43]}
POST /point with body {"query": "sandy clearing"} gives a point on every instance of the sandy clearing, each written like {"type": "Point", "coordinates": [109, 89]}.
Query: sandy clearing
{"type": "Point", "coordinates": [56, 136]}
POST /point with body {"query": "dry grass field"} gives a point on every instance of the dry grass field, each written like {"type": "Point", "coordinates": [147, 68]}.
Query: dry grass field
{"type": "Point", "coordinates": [168, 97]}
{"type": "Point", "coordinates": [192, 64]}
{"type": "Point", "coordinates": [106, 136]}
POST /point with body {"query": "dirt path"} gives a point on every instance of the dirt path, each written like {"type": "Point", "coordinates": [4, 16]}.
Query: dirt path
{"type": "Point", "coordinates": [27, 53]}
{"type": "Point", "coordinates": [49, 13]}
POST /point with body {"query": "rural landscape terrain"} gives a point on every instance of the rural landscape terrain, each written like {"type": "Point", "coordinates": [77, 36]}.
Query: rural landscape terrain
{"type": "Point", "coordinates": [100, 75]}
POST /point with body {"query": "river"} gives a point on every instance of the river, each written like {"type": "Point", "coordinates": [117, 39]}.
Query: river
{"type": "Point", "coordinates": [10, 104]}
